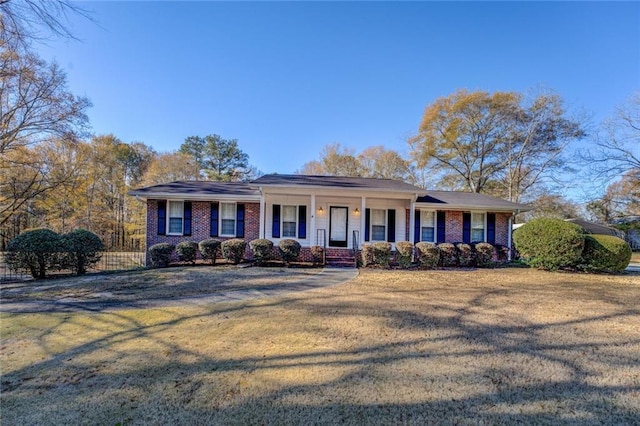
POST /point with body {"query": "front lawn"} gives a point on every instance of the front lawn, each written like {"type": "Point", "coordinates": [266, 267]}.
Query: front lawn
{"type": "Point", "coordinates": [463, 347]}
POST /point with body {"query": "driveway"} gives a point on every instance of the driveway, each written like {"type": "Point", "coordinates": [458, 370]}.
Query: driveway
{"type": "Point", "coordinates": [204, 286]}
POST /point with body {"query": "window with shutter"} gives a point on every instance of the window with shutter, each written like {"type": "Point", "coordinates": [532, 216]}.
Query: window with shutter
{"type": "Point", "coordinates": [227, 219]}
{"type": "Point", "coordinates": [378, 225]}
{"type": "Point", "coordinates": [427, 226]}
{"type": "Point", "coordinates": [176, 211]}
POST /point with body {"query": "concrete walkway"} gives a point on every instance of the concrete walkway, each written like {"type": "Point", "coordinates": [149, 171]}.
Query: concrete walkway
{"type": "Point", "coordinates": [326, 278]}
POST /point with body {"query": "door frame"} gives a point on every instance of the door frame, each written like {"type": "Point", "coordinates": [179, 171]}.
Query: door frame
{"type": "Point", "coordinates": [339, 243]}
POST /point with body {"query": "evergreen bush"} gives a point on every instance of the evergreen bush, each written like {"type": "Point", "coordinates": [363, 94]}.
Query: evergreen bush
{"type": "Point", "coordinates": [289, 250]}
{"type": "Point", "coordinates": [448, 254]}
{"type": "Point", "coordinates": [187, 251]}
{"type": "Point", "coordinates": [428, 254]}
{"type": "Point", "coordinates": [233, 250]}
{"type": "Point", "coordinates": [262, 250]}
{"type": "Point", "coordinates": [160, 254]}
{"type": "Point", "coordinates": [209, 249]}
{"type": "Point", "coordinates": [35, 251]}
{"type": "Point", "coordinates": [605, 253]}
{"type": "Point", "coordinates": [367, 254]}
{"type": "Point", "coordinates": [404, 251]}
{"type": "Point", "coordinates": [550, 244]}
{"type": "Point", "coordinates": [466, 256]}
{"type": "Point", "coordinates": [317, 253]}
{"type": "Point", "coordinates": [484, 255]}
{"type": "Point", "coordinates": [382, 253]}
{"type": "Point", "coordinates": [82, 250]}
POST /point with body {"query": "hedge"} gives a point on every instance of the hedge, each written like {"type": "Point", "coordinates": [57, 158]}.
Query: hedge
{"type": "Point", "coordinates": [160, 254]}
{"type": "Point", "coordinates": [550, 243]}
{"type": "Point", "coordinates": [484, 255]}
{"type": "Point", "coordinates": [233, 250]}
{"type": "Point", "coordinates": [466, 256]}
{"type": "Point", "coordinates": [367, 254]}
{"type": "Point", "coordinates": [36, 251]}
{"type": "Point", "coordinates": [209, 249]}
{"type": "Point", "coordinates": [289, 250]}
{"type": "Point", "coordinates": [428, 254]}
{"type": "Point", "coordinates": [187, 251]}
{"type": "Point", "coordinates": [404, 251]}
{"type": "Point", "coordinates": [317, 253]}
{"type": "Point", "coordinates": [262, 250]}
{"type": "Point", "coordinates": [605, 253]}
{"type": "Point", "coordinates": [382, 253]}
{"type": "Point", "coordinates": [448, 254]}
{"type": "Point", "coordinates": [82, 250]}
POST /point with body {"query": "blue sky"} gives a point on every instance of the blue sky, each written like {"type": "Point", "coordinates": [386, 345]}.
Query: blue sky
{"type": "Point", "coordinates": [285, 79]}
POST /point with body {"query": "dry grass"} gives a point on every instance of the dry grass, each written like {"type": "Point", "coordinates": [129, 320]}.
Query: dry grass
{"type": "Point", "coordinates": [456, 347]}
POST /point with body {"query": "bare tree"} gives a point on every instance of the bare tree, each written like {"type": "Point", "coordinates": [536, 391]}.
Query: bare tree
{"type": "Point", "coordinates": [617, 148]}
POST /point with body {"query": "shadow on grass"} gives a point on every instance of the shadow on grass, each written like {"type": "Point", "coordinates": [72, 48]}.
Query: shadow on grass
{"type": "Point", "coordinates": [443, 362]}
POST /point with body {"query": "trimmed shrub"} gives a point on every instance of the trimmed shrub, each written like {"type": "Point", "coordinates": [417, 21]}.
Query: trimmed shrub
{"type": "Point", "coordinates": [466, 256]}
{"type": "Point", "coordinates": [404, 251]}
{"type": "Point", "coordinates": [289, 250]}
{"type": "Point", "coordinates": [484, 255]}
{"type": "Point", "coordinates": [160, 254]}
{"type": "Point", "coordinates": [448, 254]}
{"type": "Point", "coordinates": [502, 252]}
{"type": "Point", "coordinates": [82, 250]}
{"type": "Point", "coordinates": [233, 250]}
{"type": "Point", "coordinates": [428, 254]}
{"type": "Point", "coordinates": [209, 249]}
{"type": "Point", "coordinates": [187, 251]}
{"type": "Point", "coordinates": [550, 243]}
{"type": "Point", "coordinates": [36, 251]}
{"type": "Point", "coordinates": [262, 250]}
{"type": "Point", "coordinates": [382, 253]}
{"type": "Point", "coordinates": [317, 253]}
{"type": "Point", "coordinates": [367, 254]}
{"type": "Point", "coordinates": [605, 253]}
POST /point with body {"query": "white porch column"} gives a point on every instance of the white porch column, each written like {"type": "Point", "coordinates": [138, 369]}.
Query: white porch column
{"type": "Point", "coordinates": [363, 219]}
{"type": "Point", "coordinates": [262, 214]}
{"type": "Point", "coordinates": [509, 231]}
{"type": "Point", "coordinates": [312, 230]}
{"type": "Point", "coordinates": [412, 220]}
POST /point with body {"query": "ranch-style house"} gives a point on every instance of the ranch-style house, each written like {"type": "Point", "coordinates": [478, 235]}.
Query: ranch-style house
{"type": "Point", "coordinates": [337, 213]}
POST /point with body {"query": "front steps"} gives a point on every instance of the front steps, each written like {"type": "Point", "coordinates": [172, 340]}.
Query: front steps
{"type": "Point", "coordinates": [342, 261]}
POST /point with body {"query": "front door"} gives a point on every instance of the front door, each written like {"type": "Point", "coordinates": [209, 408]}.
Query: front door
{"type": "Point", "coordinates": [338, 222]}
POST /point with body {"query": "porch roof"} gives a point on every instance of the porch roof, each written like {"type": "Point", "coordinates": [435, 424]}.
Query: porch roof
{"type": "Point", "coordinates": [336, 182]}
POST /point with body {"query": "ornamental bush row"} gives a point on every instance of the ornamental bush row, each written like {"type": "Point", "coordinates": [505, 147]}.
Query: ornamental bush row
{"type": "Point", "coordinates": [232, 250]}
{"type": "Point", "coordinates": [430, 255]}
{"type": "Point", "coordinates": [553, 244]}
{"type": "Point", "coordinates": [38, 251]}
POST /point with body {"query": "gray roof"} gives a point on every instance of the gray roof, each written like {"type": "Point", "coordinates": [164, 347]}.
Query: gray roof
{"type": "Point", "coordinates": [472, 200]}
{"type": "Point", "coordinates": [595, 228]}
{"type": "Point", "coordinates": [341, 182]}
{"type": "Point", "coordinates": [197, 188]}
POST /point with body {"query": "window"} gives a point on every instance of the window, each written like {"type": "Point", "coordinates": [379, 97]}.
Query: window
{"type": "Point", "coordinates": [176, 210]}
{"type": "Point", "coordinates": [228, 219]}
{"type": "Point", "coordinates": [427, 226]}
{"type": "Point", "coordinates": [477, 227]}
{"type": "Point", "coordinates": [289, 221]}
{"type": "Point", "coordinates": [378, 225]}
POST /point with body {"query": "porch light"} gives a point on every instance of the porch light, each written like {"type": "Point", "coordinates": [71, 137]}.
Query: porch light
{"type": "Point", "coordinates": [356, 211]}
{"type": "Point", "coordinates": [320, 210]}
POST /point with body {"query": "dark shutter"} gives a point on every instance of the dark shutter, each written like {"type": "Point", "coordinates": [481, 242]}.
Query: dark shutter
{"type": "Point", "coordinates": [442, 220]}
{"type": "Point", "coordinates": [162, 217]}
{"type": "Point", "coordinates": [391, 225]}
{"type": "Point", "coordinates": [416, 232]}
{"type": "Point", "coordinates": [302, 222]}
{"type": "Point", "coordinates": [240, 220]}
{"type": "Point", "coordinates": [214, 220]}
{"type": "Point", "coordinates": [367, 223]}
{"type": "Point", "coordinates": [275, 227]}
{"type": "Point", "coordinates": [491, 228]}
{"type": "Point", "coordinates": [187, 219]}
{"type": "Point", "coordinates": [466, 228]}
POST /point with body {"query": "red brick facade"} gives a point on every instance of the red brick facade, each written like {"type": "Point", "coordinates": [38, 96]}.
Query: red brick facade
{"type": "Point", "coordinates": [200, 224]}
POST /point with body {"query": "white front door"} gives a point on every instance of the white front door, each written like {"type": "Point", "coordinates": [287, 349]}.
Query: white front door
{"type": "Point", "coordinates": [338, 222]}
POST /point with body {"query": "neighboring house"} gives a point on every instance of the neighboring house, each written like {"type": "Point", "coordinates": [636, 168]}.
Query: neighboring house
{"type": "Point", "coordinates": [338, 213]}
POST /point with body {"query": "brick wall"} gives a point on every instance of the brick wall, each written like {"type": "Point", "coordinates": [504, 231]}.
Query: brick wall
{"type": "Point", "coordinates": [200, 224]}
{"type": "Point", "coordinates": [453, 227]}
{"type": "Point", "coordinates": [502, 228]}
